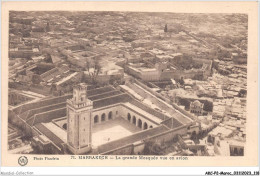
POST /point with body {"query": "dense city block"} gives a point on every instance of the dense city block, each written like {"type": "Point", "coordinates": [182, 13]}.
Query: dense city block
{"type": "Point", "coordinates": [127, 83]}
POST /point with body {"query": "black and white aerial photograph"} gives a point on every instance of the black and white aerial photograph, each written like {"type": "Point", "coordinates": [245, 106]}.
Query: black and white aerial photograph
{"type": "Point", "coordinates": [127, 83]}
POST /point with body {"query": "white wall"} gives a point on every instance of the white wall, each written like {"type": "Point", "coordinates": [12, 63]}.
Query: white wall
{"type": "Point", "coordinates": [124, 113]}
{"type": "Point", "coordinates": [120, 111]}
{"type": "Point", "coordinates": [105, 110]}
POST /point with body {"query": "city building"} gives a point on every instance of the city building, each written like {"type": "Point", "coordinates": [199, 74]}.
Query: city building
{"type": "Point", "coordinates": [163, 71]}
{"type": "Point", "coordinates": [196, 107]}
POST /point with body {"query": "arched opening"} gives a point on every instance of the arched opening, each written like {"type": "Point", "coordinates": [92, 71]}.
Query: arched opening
{"type": "Point", "coordinates": [64, 126]}
{"type": "Point", "coordinates": [96, 119]}
{"type": "Point", "coordinates": [145, 126]}
{"type": "Point", "coordinates": [110, 115]}
{"type": "Point", "coordinates": [151, 126]}
{"type": "Point", "coordinates": [140, 123]}
{"type": "Point", "coordinates": [129, 117]}
{"type": "Point", "coordinates": [134, 120]}
{"type": "Point", "coordinates": [103, 117]}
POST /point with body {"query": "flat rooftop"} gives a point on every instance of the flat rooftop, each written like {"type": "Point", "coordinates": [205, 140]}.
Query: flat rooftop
{"type": "Point", "coordinates": [59, 132]}
{"type": "Point", "coordinates": [49, 134]}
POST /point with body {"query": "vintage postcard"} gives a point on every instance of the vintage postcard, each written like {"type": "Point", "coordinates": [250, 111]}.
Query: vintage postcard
{"type": "Point", "coordinates": [129, 84]}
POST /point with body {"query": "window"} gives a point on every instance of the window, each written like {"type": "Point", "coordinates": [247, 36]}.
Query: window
{"type": "Point", "coordinates": [96, 119]}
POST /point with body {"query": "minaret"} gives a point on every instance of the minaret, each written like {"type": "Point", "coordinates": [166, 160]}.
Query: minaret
{"type": "Point", "coordinates": [166, 28]}
{"type": "Point", "coordinates": [47, 29]}
{"type": "Point", "coordinates": [79, 112]}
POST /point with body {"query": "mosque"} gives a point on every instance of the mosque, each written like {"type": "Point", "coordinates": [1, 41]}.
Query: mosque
{"type": "Point", "coordinates": [105, 121]}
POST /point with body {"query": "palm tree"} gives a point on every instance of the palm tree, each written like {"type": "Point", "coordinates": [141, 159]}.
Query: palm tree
{"type": "Point", "coordinates": [97, 68]}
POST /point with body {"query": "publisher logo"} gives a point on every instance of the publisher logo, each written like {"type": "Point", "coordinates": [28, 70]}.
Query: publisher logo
{"type": "Point", "coordinates": [23, 160]}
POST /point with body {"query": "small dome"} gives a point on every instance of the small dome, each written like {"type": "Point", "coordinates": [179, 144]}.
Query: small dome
{"type": "Point", "coordinates": [196, 103]}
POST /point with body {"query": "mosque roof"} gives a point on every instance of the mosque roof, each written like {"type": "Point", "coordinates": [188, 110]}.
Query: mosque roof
{"type": "Point", "coordinates": [55, 107]}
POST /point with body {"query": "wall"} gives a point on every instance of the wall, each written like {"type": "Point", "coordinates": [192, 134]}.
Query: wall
{"type": "Point", "coordinates": [85, 129]}
{"type": "Point", "coordinates": [45, 148]}
{"type": "Point", "coordinates": [165, 99]}
{"type": "Point", "coordinates": [125, 150]}
{"type": "Point", "coordinates": [138, 147]}
{"type": "Point", "coordinates": [168, 135]}
{"type": "Point", "coordinates": [103, 79]}
{"type": "Point", "coordinates": [150, 75]}
{"type": "Point", "coordinates": [120, 111]}
{"type": "Point", "coordinates": [124, 113]}
{"type": "Point", "coordinates": [40, 89]}
{"type": "Point", "coordinates": [105, 110]}
{"type": "Point", "coordinates": [133, 72]}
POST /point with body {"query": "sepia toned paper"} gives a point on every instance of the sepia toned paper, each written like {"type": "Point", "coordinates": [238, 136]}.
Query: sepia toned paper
{"type": "Point", "coordinates": [247, 9]}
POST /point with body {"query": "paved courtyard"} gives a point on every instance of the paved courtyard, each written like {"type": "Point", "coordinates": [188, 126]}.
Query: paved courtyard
{"type": "Point", "coordinates": [101, 133]}
{"type": "Point", "coordinates": [112, 130]}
